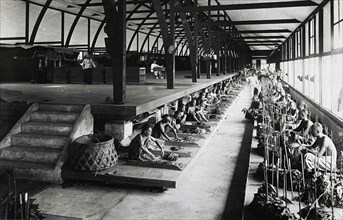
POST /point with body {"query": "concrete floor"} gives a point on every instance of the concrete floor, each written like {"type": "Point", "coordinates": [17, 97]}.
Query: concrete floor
{"type": "Point", "coordinates": [209, 188]}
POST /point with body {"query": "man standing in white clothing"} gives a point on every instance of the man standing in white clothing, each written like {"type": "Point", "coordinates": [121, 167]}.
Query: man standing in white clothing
{"type": "Point", "coordinates": [254, 84]}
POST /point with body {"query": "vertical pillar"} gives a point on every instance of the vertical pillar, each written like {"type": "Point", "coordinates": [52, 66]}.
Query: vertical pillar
{"type": "Point", "coordinates": [89, 35]}
{"type": "Point", "coordinates": [27, 22]}
{"type": "Point", "coordinates": [225, 58]}
{"type": "Point", "coordinates": [170, 49]}
{"type": "Point", "coordinates": [62, 28]}
{"type": "Point", "coordinates": [321, 50]}
{"type": "Point", "coordinates": [116, 31]}
{"type": "Point", "coordinates": [195, 72]}
{"type": "Point", "coordinates": [218, 57]}
{"type": "Point", "coordinates": [208, 57]}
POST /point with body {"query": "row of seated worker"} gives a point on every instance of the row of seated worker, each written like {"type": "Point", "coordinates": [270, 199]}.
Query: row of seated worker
{"type": "Point", "coordinates": [196, 108]}
{"type": "Point", "coordinates": [303, 135]}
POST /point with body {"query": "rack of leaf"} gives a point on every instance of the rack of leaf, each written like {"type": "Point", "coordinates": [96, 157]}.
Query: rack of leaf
{"type": "Point", "coordinates": [17, 205]}
{"type": "Point", "coordinates": [316, 194]}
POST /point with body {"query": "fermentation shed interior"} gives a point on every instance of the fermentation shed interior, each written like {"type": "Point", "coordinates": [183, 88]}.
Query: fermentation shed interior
{"type": "Point", "coordinates": [171, 109]}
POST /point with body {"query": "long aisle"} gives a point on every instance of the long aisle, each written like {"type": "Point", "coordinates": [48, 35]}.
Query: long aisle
{"type": "Point", "coordinates": [210, 188]}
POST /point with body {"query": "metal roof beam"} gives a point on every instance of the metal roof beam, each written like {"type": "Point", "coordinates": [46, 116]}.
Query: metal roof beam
{"type": "Point", "coordinates": [250, 22]}
{"type": "Point", "coordinates": [267, 5]}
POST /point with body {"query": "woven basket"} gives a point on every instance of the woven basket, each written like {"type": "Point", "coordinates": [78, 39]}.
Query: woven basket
{"type": "Point", "coordinates": [92, 153]}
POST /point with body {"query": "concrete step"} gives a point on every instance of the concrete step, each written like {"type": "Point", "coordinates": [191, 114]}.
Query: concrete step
{"type": "Point", "coordinates": [39, 174]}
{"type": "Point", "coordinates": [60, 108]}
{"type": "Point", "coordinates": [51, 128]}
{"type": "Point", "coordinates": [24, 164]}
{"type": "Point", "coordinates": [62, 117]}
{"type": "Point", "coordinates": [39, 140]}
{"type": "Point", "coordinates": [30, 154]}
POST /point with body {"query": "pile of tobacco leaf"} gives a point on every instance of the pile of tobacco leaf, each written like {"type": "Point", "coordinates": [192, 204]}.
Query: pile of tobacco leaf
{"type": "Point", "coordinates": [273, 208]}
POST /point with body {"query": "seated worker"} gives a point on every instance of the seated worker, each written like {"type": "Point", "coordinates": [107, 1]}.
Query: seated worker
{"type": "Point", "coordinates": [156, 69]}
{"type": "Point", "coordinates": [291, 116]}
{"type": "Point", "coordinates": [322, 154]}
{"type": "Point", "coordinates": [305, 123]}
{"type": "Point", "coordinates": [139, 146]}
{"type": "Point", "coordinates": [200, 112]}
{"type": "Point", "coordinates": [303, 128]}
{"type": "Point", "coordinates": [202, 97]}
{"type": "Point", "coordinates": [279, 95]}
{"type": "Point", "coordinates": [191, 111]}
{"type": "Point", "coordinates": [179, 119]}
{"type": "Point", "coordinates": [252, 112]}
{"type": "Point", "coordinates": [159, 130]}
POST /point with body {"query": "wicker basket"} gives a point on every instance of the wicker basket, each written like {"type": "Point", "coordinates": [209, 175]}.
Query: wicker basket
{"type": "Point", "coordinates": [92, 153]}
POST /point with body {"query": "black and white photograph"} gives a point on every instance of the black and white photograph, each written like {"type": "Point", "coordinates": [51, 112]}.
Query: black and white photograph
{"type": "Point", "coordinates": [171, 109]}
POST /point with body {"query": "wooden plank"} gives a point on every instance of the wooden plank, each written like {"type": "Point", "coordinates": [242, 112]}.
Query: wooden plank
{"type": "Point", "coordinates": [189, 151]}
{"type": "Point", "coordinates": [190, 126]}
{"type": "Point", "coordinates": [179, 143]}
{"type": "Point", "coordinates": [163, 165]}
{"type": "Point", "coordinates": [185, 135]}
{"type": "Point", "coordinates": [131, 175]}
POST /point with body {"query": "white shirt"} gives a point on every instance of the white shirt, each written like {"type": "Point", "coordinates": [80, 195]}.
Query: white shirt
{"type": "Point", "coordinates": [153, 66]}
{"type": "Point", "coordinates": [87, 63]}
{"type": "Point", "coordinates": [253, 81]}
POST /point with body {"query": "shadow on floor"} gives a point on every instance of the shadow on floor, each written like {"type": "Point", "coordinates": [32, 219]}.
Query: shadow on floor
{"type": "Point", "coordinates": [235, 200]}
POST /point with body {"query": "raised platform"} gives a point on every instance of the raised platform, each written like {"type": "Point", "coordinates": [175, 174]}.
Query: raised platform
{"type": "Point", "coordinates": [163, 174]}
{"type": "Point", "coordinates": [140, 98]}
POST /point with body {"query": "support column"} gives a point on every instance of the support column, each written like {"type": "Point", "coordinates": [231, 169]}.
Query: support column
{"type": "Point", "coordinates": [208, 57]}
{"type": "Point", "coordinates": [230, 61]}
{"type": "Point", "coordinates": [192, 42]}
{"type": "Point", "coordinates": [196, 73]}
{"type": "Point", "coordinates": [116, 45]}
{"type": "Point", "coordinates": [170, 49]}
{"type": "Point", "coordinates": [218, 58]}
{"type": "Point", "coordinates": [27, 22]}
{"type": "Point", "coordinates": [225, 58]}
{"type": "Point", "coordinates": [168, 39]}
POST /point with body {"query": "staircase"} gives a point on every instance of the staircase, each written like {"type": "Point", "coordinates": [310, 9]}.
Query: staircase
{"type": "Point", "coordinates": [37, 145]}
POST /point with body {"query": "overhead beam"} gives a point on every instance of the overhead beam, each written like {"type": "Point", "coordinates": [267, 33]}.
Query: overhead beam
{"type": "Point", "coordinates": [249, 22]}
{"type": "Point", "coordinates": [250, 37]}
{"type": "Point", "coordinates": [138, 28]}
{"type": "Point", "coordinates": [265, 41]}
{"type": "Point", "coordinates": [263, 44]}
{"type": "Point", "coordinates": [133, 2]}
{"type": "Point", "coordinates": [260, 37]}
{"type": "Point", "coordinates": [39, 20]}
{"type": "Point", "coordinates": [76, 20]}
{"type": "Point", "coordinates": [265, 5]}
{"type": "Point", "coordinates": [265, 31]}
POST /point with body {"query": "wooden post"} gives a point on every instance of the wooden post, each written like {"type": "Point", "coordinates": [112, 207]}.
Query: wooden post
{"type": "Point", "coordinates": [225, 58]}
{"type": "Point", "coordinates": [208, 54]}
{"type": "Point", "coordinates": [196, 74]}
{"type": "Point", "coordinates": [170, 50]}
{"type": "Point", "coordinates": [168, 39]}
{"type": "Point", "coordinates": [208, 57]}
{"type": "Point", "coordinates": [116, 45]}
{"type": "Point", "coordinates": [218, 57]}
